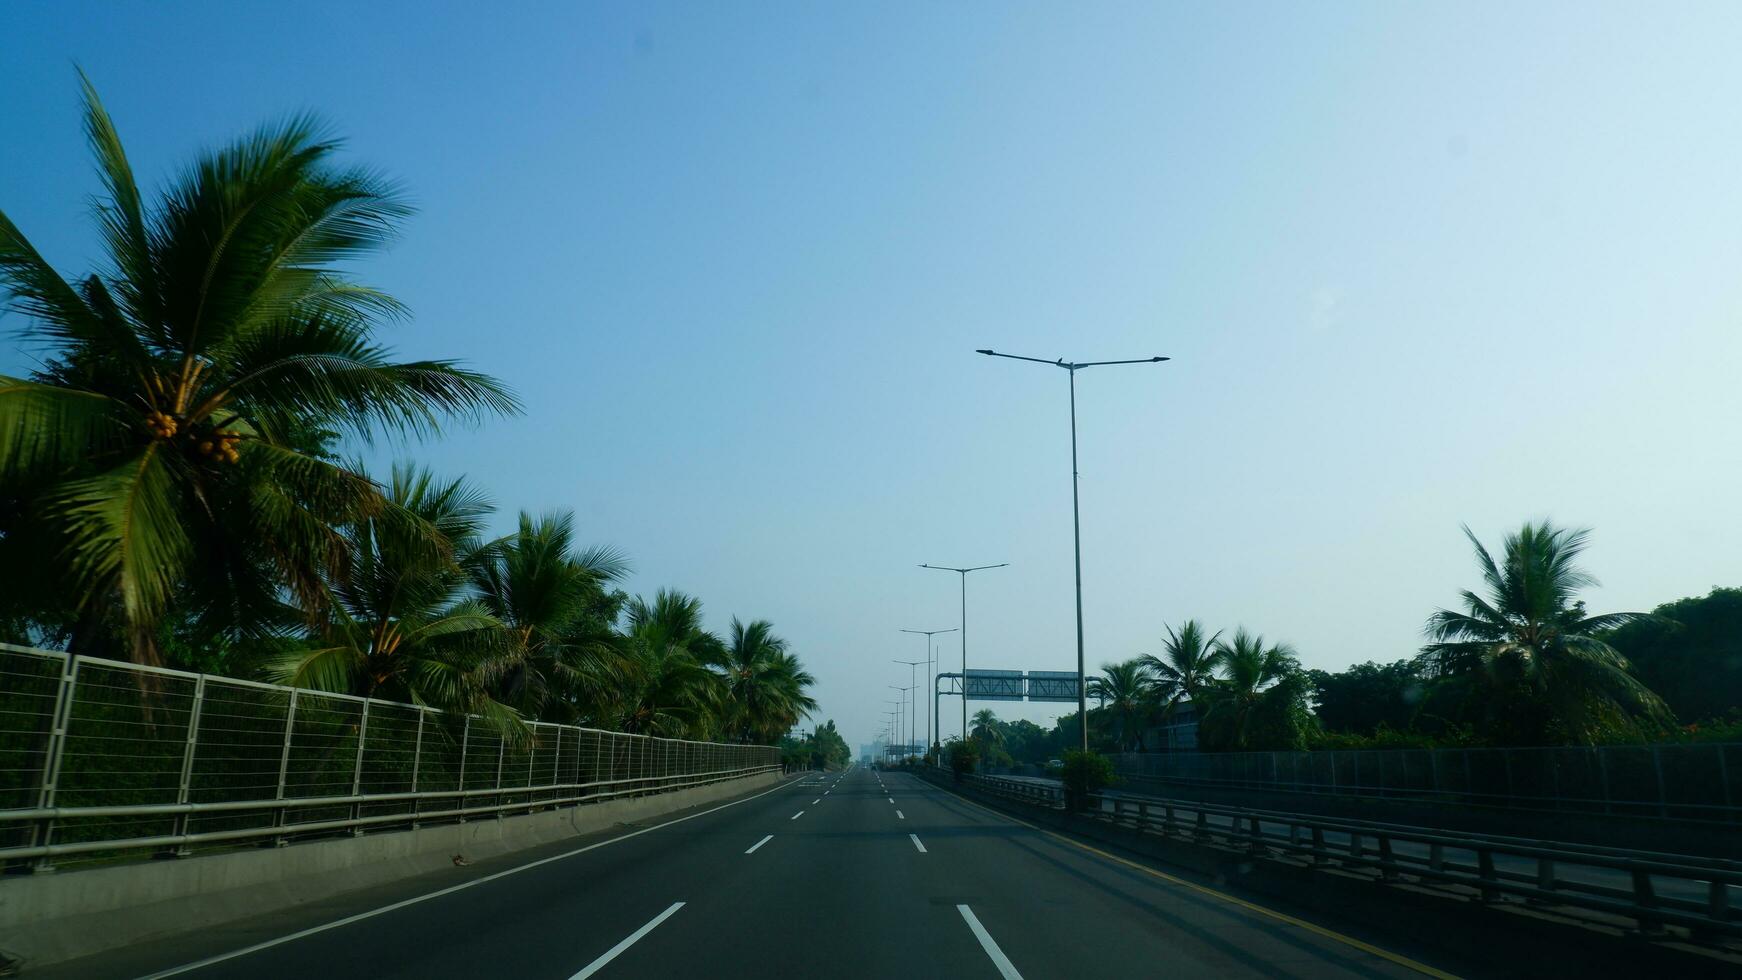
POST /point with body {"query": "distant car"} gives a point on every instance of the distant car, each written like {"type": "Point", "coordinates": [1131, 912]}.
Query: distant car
{"type": "Point", "coordinates": [1055, 762]}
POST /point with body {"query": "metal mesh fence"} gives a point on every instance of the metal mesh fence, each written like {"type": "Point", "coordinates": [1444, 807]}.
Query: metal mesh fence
{"type": "Point", "coordinates": [1700, 782]}
{"type": "Point", "coordinates": [99, 758]}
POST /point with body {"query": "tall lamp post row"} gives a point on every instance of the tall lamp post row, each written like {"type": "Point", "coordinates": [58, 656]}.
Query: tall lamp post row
{"type": "Point", "coordinates": [1071, 368]}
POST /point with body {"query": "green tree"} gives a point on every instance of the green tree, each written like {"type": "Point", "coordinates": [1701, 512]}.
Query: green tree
{"type": "Point", "coordinates": [1367, 696]}
{"type": "Point", "coordinates": [670, 693]}
{"type": "Point", "coordinates": [763, 686]}
{"type": "Point", "coordinates": [158, 449]}
{"type": "Point", "coordinates": [1690, 652]}
{"type": "Point", "coordinates": [1524, 662]}
{"type": "Point", "coordinates": [1126, 692]}
{"type": "Point", "coordinates": [1186, 664]}
{"type": "Point", "coordinates": [561, 662]}
{"type": "Point", "coordinates": [397, 625]}
{"type": "Point", "coordinates": [1258, 699]}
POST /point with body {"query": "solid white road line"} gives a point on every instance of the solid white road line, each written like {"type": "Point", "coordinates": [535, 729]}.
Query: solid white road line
{"type": "Point", "coordinates": [900, 816]}
{"type": "Point", "coordinates": [438, 893]}
{"type": "Point", "coordinates": [999, 960]}
{"type": "Point", "coordinates": [892, 799]}
{"type": "Point", "coordinates": [612, 953]}
{"type": "Point", "coordinates": [796, 815]}
{"type": "Point", "coordinates": [759, 843]}
{"type": "Point", "coordinates": [916, 843]}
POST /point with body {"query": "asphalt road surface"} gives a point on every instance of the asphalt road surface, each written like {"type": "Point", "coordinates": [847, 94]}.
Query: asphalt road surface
{"type": "Point", "coordinates": [861, 874]}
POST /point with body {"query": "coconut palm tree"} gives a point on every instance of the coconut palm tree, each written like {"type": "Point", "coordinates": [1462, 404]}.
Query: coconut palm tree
{"type": "Point", "coordinates": [1127, 689]}
{"type": "Point", "coordinates": [165, 444]}
{"type": "Point", "coordinates": [761, 684]}
{"type": "Point", "coordinates": [1532, 665]}
{"type": "Point", "coordinates": [985, 727]}
{"type": "Point", "coordinates": [563, 661]}
{"type": "Point", "coordinates": [398, 625]}
{"type": "Point", "coordinates": [670, 692]}
{"type": "Point", "coordinates": [1256, 684]}
{"type": "Point", "coordinates": [1186, 664]}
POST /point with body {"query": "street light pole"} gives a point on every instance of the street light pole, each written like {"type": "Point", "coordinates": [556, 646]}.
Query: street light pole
{"type": "Point", "coordinates": [963, 572]}
{"type": "Point", "coordinates": [907, 712]}
{"type": "Point", "coordinates": [931, 717]}
{"type": "Point", "coordinates": [912, 708]}
{"type": "Point", "coordinates": [1076, 520]}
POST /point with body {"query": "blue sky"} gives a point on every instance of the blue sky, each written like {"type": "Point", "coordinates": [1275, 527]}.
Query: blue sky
{"type": "Point", "coordinates": [1416, 265]}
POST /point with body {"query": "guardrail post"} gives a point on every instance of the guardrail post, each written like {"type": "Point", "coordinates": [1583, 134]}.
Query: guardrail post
{"type": "Point", "coordinates": [1201, 829]}
{"type": "Point", "coordinates": [1167, 825]}
{"type": "Point", "coordinates": [1142, 815]}
{"type": "Point", "coordinates": [1387, 860]}
{"type": "Point", "coordinates": [279, 812]}
{"type": "Point", "coordinates": [1645, 900]}
{"type": "Point", "coordinates": [42, 834]}
{"type": "Point", "coordinates": [1718, 901]}
{"type": "Point", "coordinates": [1436, 857]}
{"type": "Point", "coordinates": [1485, 871]}
{"type": "Point", "coordinates": [1357, 847]}
{"type": "Point", "coordinates": [1544, 877]}
{"type": "Point", "coordinates": [187, 768]}
{"type": "Point", "coordinates": [417, 765]}
{"type": "Point", "coordinates": [1318, 845]}
{"type": "Point", "coordinates": [1256, 844]}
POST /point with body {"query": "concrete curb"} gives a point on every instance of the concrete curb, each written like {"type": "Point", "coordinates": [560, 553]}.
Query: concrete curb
{"type": "Point", "coordinates": [51, 918]}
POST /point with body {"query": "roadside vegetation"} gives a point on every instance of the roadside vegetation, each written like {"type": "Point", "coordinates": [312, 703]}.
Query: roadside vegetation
{"type": "Point", "coordinates": [1518, 662]}
{"type": "Point", "coordinates": [174, 489]}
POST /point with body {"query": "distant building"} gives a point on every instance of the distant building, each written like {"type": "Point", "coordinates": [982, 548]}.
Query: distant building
{"type": "Point", "coordinates": [1178, 733]}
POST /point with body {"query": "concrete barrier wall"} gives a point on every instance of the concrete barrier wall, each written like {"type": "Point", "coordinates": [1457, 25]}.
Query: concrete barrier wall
{"type": "Point", "coordinates": [50, 918]}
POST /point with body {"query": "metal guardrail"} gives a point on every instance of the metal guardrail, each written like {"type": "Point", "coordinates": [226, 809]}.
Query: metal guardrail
{"type": "Point", "coordinates": [99, 757]}
{"type": "Point", "coordinates": [1678, 782]}
{"type": "Point", "coordinates": [1543, 872]}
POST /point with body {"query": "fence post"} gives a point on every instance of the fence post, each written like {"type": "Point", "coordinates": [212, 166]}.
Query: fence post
{"type": "Point", "coordinates": [1318, 845]}
{"type": "Point", "coordinates": [357, 769]}
{"type": "Point", "coordinates": [278, 814]}
{"type": "Point", "coordinates": [465, 744]}
{"type": "Point", "coordinates": [416, 765]}
{"type": "Point", "coordinates": [1387, 861]}
{"type": "Point", "coordinates": [1645, 900]}
{"type": "Point", "coordinates": [556, 764]}
{"type": "Point", "coordinates": [501, 753]}
{"type": "Point", "coordinates": [187, 767]}
{"type": "Point", "coordinates": [42, 832]}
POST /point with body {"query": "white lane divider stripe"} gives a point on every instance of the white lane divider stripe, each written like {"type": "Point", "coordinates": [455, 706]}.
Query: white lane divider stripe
{"type": "Point", "coordinates": [816, 801]}
{"type": "Point", "coordinates": [613, 952]}
{"type": "Point", "coordinates": [759, 843]}
{"type": "Point", "coordinates": [796, 815]}
{"type": "Point", "coordinates": [916, 843]}
{"type": "Point", "coordinates": [900, 816]}
{"type": "Point", "coordinates": [999, 960]}
{"type": "Point", "coordinates": [440, 892]}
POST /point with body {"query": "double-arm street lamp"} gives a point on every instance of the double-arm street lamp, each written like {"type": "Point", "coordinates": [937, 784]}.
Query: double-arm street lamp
{"type": "Point", "coordinates": [1072, 367]}
{"type": "Point", "coordinates": [963, 572]}
{"type": "Point", "coordinates": [931, 679]}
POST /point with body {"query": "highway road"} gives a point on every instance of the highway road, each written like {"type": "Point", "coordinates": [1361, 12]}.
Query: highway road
{"type": "Point", "coordinates": [861, 874]}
